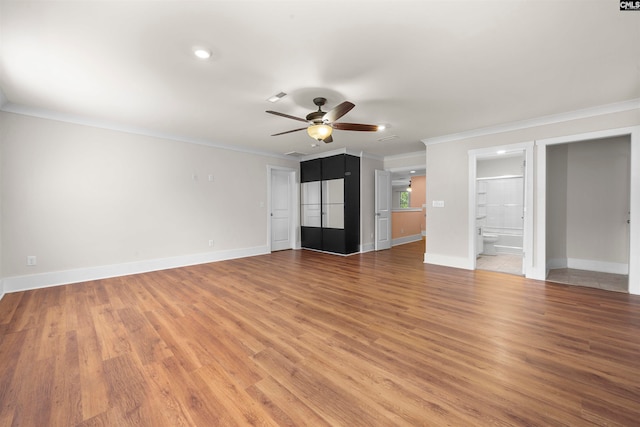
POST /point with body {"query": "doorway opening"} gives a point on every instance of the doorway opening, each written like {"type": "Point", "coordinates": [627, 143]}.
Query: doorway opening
{"type": "Point", "coordinates": [500, 191]}
{"type": "Point", "coordinates": [500, 213]}
{"type": "Point", "coordinates": [405, 190]}
{"type": "Point", "coordinates": [544, 260]}
{"type": "Point", "coordinates": [588, 213]}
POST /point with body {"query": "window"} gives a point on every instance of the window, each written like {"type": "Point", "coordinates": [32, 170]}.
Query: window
{"type": "Point", "coordinates": [404, 199]}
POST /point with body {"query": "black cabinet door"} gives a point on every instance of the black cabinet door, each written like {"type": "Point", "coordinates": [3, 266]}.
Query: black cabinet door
{"type": "Point", "coordinates": [333, 240]}
{"type": "Point", "coordinates": [311, 238]}
{"type": "Point", "coordinates": [333, 167]}
{"type": "Point", "coordinates": [311, 170]}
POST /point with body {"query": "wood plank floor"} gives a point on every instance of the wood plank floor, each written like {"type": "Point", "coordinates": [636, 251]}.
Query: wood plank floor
{"type": "Point", "coordinates": [300, 338]}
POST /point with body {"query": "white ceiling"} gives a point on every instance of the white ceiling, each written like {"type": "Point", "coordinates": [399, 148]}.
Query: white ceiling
{"type": "Point", "coordinates": [426, 68]}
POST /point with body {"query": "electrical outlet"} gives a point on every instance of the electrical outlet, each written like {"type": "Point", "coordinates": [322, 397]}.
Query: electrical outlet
{"type": "Point", "coordinates": [210, 177]}
{"type": "Point", "coordinates": [32, 260]}
{"type": "Point", "coordinates": [210, 243]}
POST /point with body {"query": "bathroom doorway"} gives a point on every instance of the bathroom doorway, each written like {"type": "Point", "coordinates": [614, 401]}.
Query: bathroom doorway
{"type": "Point", "coordinates": [500, 190]}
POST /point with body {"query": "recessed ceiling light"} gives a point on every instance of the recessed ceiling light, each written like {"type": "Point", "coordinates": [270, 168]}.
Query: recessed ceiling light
{"type": "Point", "coordinates": [277, 97]}
{"type": "Point", "coordinates": [501, 151]}
{"type": "Point", "coordinates": [202, 53]}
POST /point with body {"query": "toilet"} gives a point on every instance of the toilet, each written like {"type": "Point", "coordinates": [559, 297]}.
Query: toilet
{"type": "Point", "coordinates": [489, 241]}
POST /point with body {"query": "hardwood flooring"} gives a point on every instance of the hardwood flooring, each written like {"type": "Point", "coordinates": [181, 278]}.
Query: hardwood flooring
{"type": "Point", "coordinates": [300, 338]}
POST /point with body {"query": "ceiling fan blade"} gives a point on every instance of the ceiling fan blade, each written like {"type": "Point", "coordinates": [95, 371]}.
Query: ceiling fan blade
{"type": "Point", "coordinates": [355, 126]}
{"type": "Point", "coordinates": [289, 131]}
{"type": "Point", "coordinates": [338, 112]}
{"type": "Point", "coordinates": [287, 116]}
{"type": "Point", "coordinates": [328, 139]}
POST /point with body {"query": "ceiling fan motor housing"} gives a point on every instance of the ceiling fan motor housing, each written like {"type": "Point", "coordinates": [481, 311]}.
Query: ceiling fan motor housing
{"type": "Point", "coordinates": [316, 117]}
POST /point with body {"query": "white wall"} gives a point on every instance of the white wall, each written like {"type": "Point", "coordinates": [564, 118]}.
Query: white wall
{"type": "Point", "coordinates": [447, 179]}
{"type": "Point", "coordinates": [588, 205]}
{"type": "Point", "coordinates": [500, 166]}
{"type": "Point", "coordinates": [557, 161]}
{"type": "Point", "coordinates": [79, 197]}
{"type": "Point", "coordinates": [404, 161]}
{"type": "Point", "coordinates": [598, 201]}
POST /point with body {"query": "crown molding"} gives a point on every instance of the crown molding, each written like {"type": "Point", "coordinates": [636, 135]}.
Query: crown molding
{"type": "Point", "coordinates": [10, 107]}
{"type": "Point", "coordinates": [371, 156]}
{"type": "Point", "coordinates": [617, 107]}
{"type": "Point", "coordinates": [405, 155]}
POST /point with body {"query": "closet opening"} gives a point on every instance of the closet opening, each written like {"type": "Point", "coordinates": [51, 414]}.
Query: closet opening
{"type": "Point", "coordinates": [588, 213]}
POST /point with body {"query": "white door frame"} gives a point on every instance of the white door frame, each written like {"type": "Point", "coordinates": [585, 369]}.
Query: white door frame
{"type": "Point", "coordinates": [527, 243]}
{"type": "Point", "coordinates": [294, 223]}
{"type": "Point", "coordinates": [540, 265]}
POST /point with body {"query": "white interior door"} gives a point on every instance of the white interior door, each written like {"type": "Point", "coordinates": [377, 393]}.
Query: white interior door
{"type": "Point", "coordinates": [383, 210]}
{"type": "Point", "coordinates": [281, 190]}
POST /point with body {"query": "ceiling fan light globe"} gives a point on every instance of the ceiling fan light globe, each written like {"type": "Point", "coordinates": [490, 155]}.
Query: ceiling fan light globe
{"type": "Point", "coordinates": [319, 132]}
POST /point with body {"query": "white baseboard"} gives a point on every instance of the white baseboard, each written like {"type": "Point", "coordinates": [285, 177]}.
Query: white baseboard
{"type": "Point", "coordinates": [588, 265]}
{"type": "Point", "coordinates": [1, 289]}
{"type": "Point", "coordinates": [448, 261]}
{"type": "Point", "coordinates": [55, 278]}
{"type": "Point", "coordinates": [601, 266]}
{"type": "Point", "coordinates": [406, 239]}
{"type": "Point", "coordinates": [555, 263]}
{"type": "Point", "coordinates": [367, 247]}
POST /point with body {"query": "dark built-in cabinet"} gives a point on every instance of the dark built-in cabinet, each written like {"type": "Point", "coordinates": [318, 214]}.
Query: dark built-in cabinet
{"type": "Point", "coordinates": [330, 204]}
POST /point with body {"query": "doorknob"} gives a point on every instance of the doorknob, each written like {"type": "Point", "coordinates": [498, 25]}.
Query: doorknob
{"type": "Point", "coordinates": [377, 213]}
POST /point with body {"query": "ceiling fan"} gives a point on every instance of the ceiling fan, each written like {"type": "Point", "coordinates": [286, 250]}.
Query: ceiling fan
{"type": "Point", "coordinates": [321, 124]}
